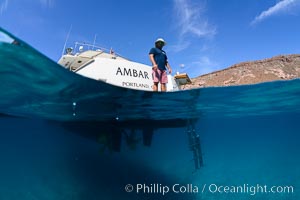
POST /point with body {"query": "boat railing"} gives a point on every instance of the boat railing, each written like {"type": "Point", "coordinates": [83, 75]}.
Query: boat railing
{"type": "Point", "coordinates": [80, 47]}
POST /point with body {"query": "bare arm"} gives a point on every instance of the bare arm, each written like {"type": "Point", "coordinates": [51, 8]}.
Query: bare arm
{"type": "Point", "coordinates": [151, 56]}
{"type": "Point", "coordinates": [169, 67]}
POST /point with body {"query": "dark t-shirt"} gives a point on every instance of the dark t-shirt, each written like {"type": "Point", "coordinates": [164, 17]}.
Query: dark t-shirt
{"type": "Point", "coordinates": [160, 57]}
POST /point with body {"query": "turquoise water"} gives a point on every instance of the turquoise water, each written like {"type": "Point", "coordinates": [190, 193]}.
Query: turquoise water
{"type": "Point", "coordinates": [56, 127]}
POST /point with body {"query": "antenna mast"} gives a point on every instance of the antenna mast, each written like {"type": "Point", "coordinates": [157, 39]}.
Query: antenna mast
{"type": "Point", "coordinates": [63, 51]}
{"type": "Point", "coordinates": [94, 42]}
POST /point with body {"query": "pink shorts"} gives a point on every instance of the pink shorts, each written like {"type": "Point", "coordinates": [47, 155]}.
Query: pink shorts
{"type": "Point", "coordinates": [159, 76]}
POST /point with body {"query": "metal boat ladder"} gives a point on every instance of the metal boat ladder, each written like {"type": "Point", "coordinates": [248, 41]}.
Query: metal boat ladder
{"type": "Point", "coordinates": [194, 144]}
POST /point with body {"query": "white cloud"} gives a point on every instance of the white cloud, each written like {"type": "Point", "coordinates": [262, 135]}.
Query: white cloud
{"type": "Point", "coordinates": [205, 60]}
{"type": "Point", "coordinates": [47, 3]}
{"type": "Point", "coordinates": [203, 65]}
{"type": "Point", "coordinates": [44, 3]}
{"type": "Point", "coordinates": [281, 6]}
{"type": "Point", "coordinates": [3, 6]}
{"type": "Point", "coordinates": [181, 45]}
{"type": "Point", "coordinates": [190, 20]}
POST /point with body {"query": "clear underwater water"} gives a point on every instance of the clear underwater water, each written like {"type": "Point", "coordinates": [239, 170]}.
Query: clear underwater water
{"type": "Point", "coordinates": [51, 148]}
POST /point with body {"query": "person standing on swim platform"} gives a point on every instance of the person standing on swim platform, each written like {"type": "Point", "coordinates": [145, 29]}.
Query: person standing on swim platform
{"type": "Point", "coordinates": [159, 60]}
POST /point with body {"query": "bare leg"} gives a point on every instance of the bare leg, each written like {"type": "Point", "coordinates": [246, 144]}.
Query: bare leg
{"type": "Point", "coordinates": [155, 87]}
{"type": "Point", "coordinates": [163, 87]}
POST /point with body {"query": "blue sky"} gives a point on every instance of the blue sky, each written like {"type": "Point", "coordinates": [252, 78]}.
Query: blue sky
{"type": "Point", "coordinates": [202, 35]}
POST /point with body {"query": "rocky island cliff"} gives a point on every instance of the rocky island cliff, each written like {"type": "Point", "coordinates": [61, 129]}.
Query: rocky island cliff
{"type": "Point", "coordinates": [283, 67]}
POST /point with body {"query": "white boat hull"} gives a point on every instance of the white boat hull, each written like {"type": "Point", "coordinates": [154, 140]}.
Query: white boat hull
{"type": "Point", "coordinates": [113, 70]}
